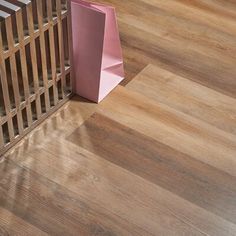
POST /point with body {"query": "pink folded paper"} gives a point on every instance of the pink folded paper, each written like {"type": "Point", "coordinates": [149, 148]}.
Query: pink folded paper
{"type": "Point", "coordinates": [98, 60]}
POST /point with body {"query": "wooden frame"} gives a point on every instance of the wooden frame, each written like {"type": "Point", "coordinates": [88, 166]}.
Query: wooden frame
{"type": "Point", "coordinates": [35, 64]}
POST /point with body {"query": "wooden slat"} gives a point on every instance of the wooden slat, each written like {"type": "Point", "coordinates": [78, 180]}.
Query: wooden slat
{"type": "Point", "coordinates": [1, 138]}
{"type": "Point", "coordinates": [14, 76]}
{"type": "Point", "coordinates": [31, 86]}
{"type": "Point", "coordinates": [9, 5]}
{"type": "Point", "coordinates": [24, 1]}
{"type": "Point", "coordinates": [29, 39]}
{"type": "Point", "coordinates": [34, 58]}
{"type": "Point", "coordinates": [69, 27]}
{"type": "Point", "coordinates": [43, 53]}
{"type": "Point", "coordinates": [24, 65]}
{"type": "Point", "coordinates": [61, 46]}
{"type": "Point", "coordinates": [33, 126]}
{"type": "Point", "coordinates": [5, 83]}
{"type": "Point", "coordinates": [52, 51]}
{"type": "Point", "coordinates": [23, 104]}
{"type": "Point", "coordinates": [4, 14]}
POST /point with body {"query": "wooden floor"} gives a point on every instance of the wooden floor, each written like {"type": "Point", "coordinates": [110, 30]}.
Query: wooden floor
{"type": "Point", "coordinates": [158, 155]}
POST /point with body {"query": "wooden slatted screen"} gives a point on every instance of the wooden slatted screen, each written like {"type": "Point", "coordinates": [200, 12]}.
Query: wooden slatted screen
{"type": "Point", "coordinates": [35, 64]}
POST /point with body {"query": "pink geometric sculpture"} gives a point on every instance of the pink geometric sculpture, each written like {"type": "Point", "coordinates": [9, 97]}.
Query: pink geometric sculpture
{"type": "Point", "coordinates": [98, 61]}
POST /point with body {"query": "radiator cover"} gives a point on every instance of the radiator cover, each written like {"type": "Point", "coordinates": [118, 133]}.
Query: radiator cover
{"type": "Point", "coordinates": [35, 64]}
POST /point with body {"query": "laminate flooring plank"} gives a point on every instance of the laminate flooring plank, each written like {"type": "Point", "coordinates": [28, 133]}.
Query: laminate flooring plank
{"type": "Point", "coordinates": [157, 157]}
{"type": "Point", "coordinates": [84, 182]}
{"type": "Point", "coordinates": [52, 208]}
{"type": "Point", "coordinates": [186, 33]}
{"type": "Point", "coordinates": [37, 201]}
{"type": "Point", "coordinates": [10, 224]}
{"type": "Point", "coordinates": [132, 66]}
{"type": "Point", "coordinates": [195, 39]}
{"type": "Point", "coordinates": [173, 128]}
{"type": "Point", "coordinates": [145, 207]}
{"type": "Point", "coordinates": [211, 189]}
{"type": "Point", "coordinates": [187, 96]}
{"type": "Point", "coordinates": [213, 73]}
{"type": "Point", "coordinates": [216, 7]}
{"type": "Point", "coordinates": [109, 189]}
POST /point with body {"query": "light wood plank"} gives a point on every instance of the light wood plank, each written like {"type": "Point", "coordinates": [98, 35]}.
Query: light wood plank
{"type": "Point", "coordinates": [57, 210]}
{"type": "Point", "coordinates": [151, 167]}
{"type": "Point", "coordinates": [179, 36]}
{"type": "Point", "coordinates": [176, 129]}
{"type": "Point", "coordinates": [159, 164]}
{"type": "Point", "coordinates": [187, 96]}
{"type": "Point", "coordinates": [111, 187]}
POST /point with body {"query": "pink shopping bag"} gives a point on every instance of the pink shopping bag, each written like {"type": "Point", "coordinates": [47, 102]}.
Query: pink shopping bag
{"type": "Point", "coordinates": [98, 60]}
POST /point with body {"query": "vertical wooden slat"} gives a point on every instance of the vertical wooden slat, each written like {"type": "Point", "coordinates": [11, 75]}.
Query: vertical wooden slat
{"type": "Point", "coordinates": [52, 49]}
{"type": "Point", "coordinates": [14, 75]}
{"type": "Point", "coordinates": [1, 138]}
{"type": "Point", "coordinates": [4, 82]}
{"type": "Point", "coordinates": [24, 64]}
{"type": "Point", "coordinates": [70, 43]}
{"type": "Point", "coordinates": [43, 54]}
{"type": "Point", "coordinates": [61, 47]}
{"type": "Point", "coordinates": [34, 58]}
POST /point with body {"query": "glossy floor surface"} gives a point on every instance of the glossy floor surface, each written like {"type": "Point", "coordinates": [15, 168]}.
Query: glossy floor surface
{"type": "Point", "coordinates": [158, 155]}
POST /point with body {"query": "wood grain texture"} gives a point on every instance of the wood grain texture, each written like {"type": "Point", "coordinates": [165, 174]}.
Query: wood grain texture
{"type": "Point", "coordinates": [176, 129]}
{"type": "Point", "coordinates": [159, 164]}
{"type": "Point", "coordinates": [157, 157]}
{"type": "Point", "coordinates": [10, 224]}
{"type": "Point", "coordinates": [48, 205]}
{"type": "Point", "coordinates": [194, 39]}
{"type": "Point", "coordinates": [172, 193]}
{"type": "Point", "coordinates": [111, 203]}
{"type": "Point", "coordinates": [113, 188]}
{"type": "Point", "coordinates": [187, 96]}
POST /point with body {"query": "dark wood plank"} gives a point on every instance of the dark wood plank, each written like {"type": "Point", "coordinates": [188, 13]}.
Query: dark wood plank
{"type": "Point", "coordinates": [191, 179]}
